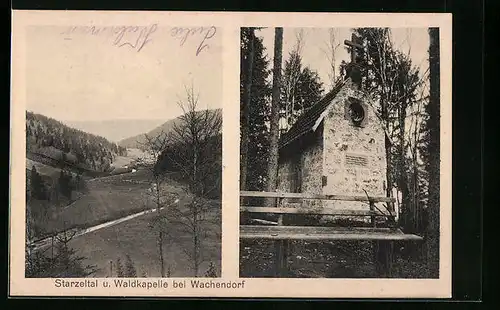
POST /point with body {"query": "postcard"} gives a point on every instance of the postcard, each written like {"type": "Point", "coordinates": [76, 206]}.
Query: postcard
{"type": "Point", "coordinates": [230, 154]}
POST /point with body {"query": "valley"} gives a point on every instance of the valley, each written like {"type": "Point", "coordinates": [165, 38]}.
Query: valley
{"type": "Point", "coordinates": [111, 211]}
{"type": "Point", "coordinates": [113, 220]}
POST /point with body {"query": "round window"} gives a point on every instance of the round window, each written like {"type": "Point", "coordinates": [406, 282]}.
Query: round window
{"type": "Point", "coordinates": [356, 112]}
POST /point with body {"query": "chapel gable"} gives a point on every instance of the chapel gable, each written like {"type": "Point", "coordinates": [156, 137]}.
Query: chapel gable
{"type": "Point", "coordinates": [335, 148]}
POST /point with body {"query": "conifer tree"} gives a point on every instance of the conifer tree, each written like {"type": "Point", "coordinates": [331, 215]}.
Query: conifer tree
{"type": "Point", "coordinates": [433, 154]}
{"type": "Point", "coordinates": [301, 89]}
{"type": "Point", "coordinates": [211, 271]}
{"type": "Point", "coordinates": [391, 78]}
{"type": "Point", "coordinates": [258, 110]}
{"type": "Point", "coordinates": [129, 267]}
{"type": "Point", "coordinates": [247, 60]}
{"type": "Point", "coordinates": [119, 268]}
{"type": "Point", "coordinates": [37, 187]}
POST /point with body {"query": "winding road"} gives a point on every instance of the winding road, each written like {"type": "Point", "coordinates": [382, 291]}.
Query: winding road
{"type": "Point", "coordinates": [40, 244]}
{"type": "Point", "coordinates": [43, 243]}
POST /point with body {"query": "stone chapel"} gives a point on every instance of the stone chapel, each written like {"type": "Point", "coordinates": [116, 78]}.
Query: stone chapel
{"type": "Point", "coordinates": [337, 147]}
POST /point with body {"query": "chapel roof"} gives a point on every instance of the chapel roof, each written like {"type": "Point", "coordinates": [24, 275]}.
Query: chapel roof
{"type": "Point", "coordinates": [306, 122]}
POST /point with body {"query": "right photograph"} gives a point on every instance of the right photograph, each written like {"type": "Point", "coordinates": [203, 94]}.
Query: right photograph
{"type": "Point", "coordinates": [339, 152]}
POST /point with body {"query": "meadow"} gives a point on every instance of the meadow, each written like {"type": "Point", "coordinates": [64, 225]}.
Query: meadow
{"type": "Point", "coordinates": [116, 196]}
{"type": "Point", "coordinates": [136, 239]}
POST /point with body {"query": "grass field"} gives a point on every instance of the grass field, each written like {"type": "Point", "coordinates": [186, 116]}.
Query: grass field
{"type": "Point", "coordinates": [136, 239]}
{"type": "Point", "coordinates": [132, 155]}
{"type": "Point", "coordinates": [108, 198]}
{"type": "Point", "coordinates": [117, 196]}
{"type": "Point", "coordinates": [43, 169]}
{"type": "Point", "coordinates": [114, 197]}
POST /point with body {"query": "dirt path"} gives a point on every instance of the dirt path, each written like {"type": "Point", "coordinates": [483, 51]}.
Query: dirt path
{"type": "Point", "coordinates": [71, 204]}
{"type": "Point", "coordinates": [38, 245]}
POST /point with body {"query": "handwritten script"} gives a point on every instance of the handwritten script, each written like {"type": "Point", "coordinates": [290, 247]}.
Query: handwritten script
{"type": "Point", "coordinates": [137, 37]}
{"type": "Point", "coordinates": [185, 33]}
{"type": "Point", "coordinates": [134, 37]}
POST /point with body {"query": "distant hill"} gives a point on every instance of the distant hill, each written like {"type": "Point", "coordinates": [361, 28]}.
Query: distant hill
{"type": "Point", "coordinates": [50, 141]}
{"type": "Point", "coordinates": [138, 140]}
{"type": "Point", "coordinates": [116, 130]}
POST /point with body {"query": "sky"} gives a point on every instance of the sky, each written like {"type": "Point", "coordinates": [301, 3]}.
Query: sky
{"type": "Point", "coordinates": [85, 74]}
{"type": "Point", "coordinates": [412, 40]}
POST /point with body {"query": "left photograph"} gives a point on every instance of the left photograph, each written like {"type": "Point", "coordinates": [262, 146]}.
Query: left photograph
{"type": "Point", "coordinates": [123, 151]}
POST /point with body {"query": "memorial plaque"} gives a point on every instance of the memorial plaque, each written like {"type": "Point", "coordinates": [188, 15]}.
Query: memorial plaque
{"type": "Point", "coordinates": [356, 160]}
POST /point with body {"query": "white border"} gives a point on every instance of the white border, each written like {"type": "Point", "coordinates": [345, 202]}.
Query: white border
{"type": "Point", "coordinates": [230, 23]}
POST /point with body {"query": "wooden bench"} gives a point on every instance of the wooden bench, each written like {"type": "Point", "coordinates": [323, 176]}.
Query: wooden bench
{"type": "Point", "coordinates": [383, 237]}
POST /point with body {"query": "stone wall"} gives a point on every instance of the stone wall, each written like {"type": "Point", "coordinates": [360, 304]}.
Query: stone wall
{"type": "Point", "coordinates": [354, 157]}
{"type": "Point", "coordinates": [312, 168]}
{"type": "Point", "coordinates": [310, 158]}
{"type": "Point", "coordinates": [285, 175]}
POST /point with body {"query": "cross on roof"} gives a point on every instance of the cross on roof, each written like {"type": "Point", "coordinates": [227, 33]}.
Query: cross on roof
{"type": "Point", "coordinates": [355, 44]}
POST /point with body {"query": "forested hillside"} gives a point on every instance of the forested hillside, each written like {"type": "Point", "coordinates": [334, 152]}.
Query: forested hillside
{"type": "Point", "coordinates": [139, 140]}
{"type": "Point", "coordinates": [48, 137]}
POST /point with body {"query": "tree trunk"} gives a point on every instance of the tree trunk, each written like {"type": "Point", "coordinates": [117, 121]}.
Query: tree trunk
{"type": "Point", "coordinates": [402, 176]}
{"type": "Point", "coordinates": [196, 227]}
{"type": "Point", "coordinates": [272, 172]}
{"type": "Point", "coordinates": [160, 232]}
{"type": "Point", "coordinates": [160, 249]}
{"type": "Point", "coordinates": [434, 150]}
{"type": "Point", "coordinates": [388, 146]}
{"type": "Point", "coordinates": [246, 113]}
{"type": "Point", "coordinates": [196, 258]}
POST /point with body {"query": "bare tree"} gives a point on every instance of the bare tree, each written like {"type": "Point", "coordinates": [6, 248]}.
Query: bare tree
{"type": "Point", "coordinates": [330, 52]}
{"type": "Point", "coordinates": [156, 193]}
{"type": "Point", "coordinates": [416, 178]}
{"type": "Point", "coordinates": [393, 81]}
{"type": "Point", "coordinates": [194, 153]}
